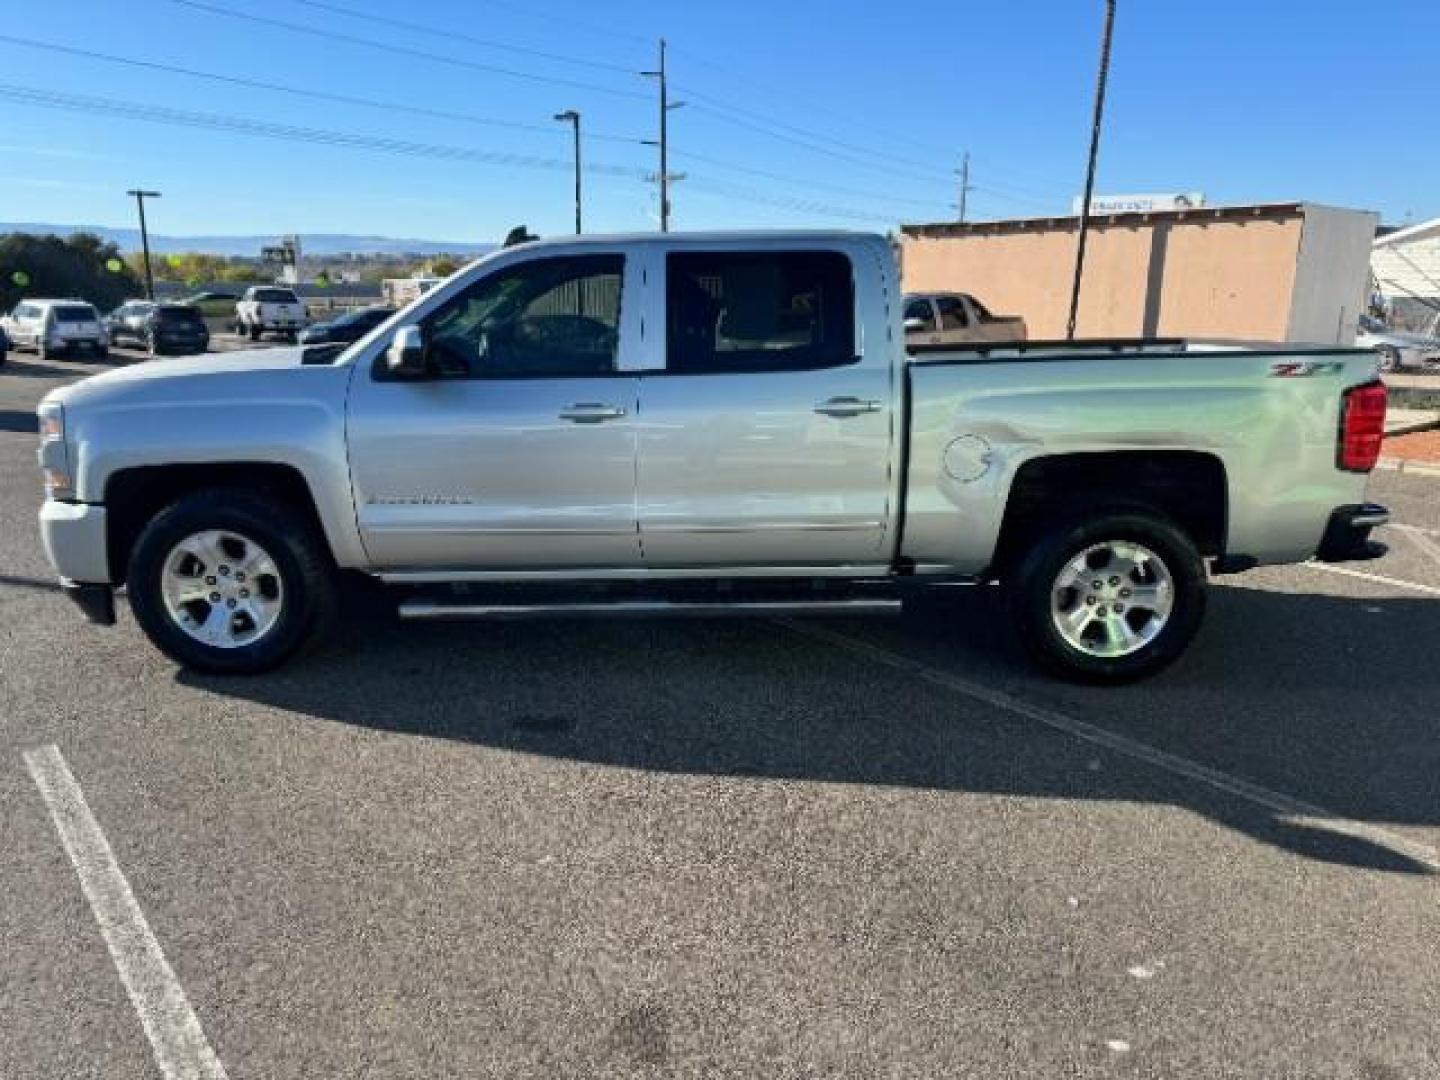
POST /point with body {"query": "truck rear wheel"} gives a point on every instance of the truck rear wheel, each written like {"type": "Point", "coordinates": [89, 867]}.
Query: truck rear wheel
{"type": "Point", "coordinates": [230, 582]}
{"type": "Point", "coordinates": [1110, 599]}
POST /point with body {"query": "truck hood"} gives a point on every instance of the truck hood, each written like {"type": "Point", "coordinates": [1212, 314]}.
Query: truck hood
{"type": "Point", "coordinates": [192, 379]}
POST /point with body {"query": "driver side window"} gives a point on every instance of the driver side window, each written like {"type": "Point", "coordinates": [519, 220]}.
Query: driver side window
{"type": "Point", "coordinates": [546, 317]}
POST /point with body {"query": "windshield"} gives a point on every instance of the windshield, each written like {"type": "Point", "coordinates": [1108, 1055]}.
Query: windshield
{"type": "Point", "coordinates": [276, 296]}
{"type": "Point", "coordinates": [74, 313]}
{"type": "Point", "coordinates": [178, 313]}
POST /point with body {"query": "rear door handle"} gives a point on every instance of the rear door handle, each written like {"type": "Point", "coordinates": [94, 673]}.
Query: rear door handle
{"type": "Point", "coordinates": [846, 406]}
{"type": "Point", "coordinates": [591, 412]}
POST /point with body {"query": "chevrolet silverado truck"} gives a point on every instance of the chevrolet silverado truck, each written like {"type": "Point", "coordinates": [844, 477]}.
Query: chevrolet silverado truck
{"type": "Point", "coordinates": [267, 309]}
{"type": "Point", "coordinates": [707, 424]}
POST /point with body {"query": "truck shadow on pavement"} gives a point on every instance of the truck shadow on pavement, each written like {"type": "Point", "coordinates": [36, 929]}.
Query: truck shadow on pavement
{"type": "Point", "coordinates": [1324, 699]}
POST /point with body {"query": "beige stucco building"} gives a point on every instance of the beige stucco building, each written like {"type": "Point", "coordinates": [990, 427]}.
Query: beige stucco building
{"type": "Point", "coordinates": [1274, 272]}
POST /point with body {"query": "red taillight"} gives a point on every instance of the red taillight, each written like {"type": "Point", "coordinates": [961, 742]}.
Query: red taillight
{"type": "Point", "coordinates": [1362, 427]}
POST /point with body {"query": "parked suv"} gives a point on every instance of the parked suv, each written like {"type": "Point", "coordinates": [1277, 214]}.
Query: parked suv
{"type": "Point", "coordinates": [55, 326]}
{"type": "Point", "coordinates": [158, 328]}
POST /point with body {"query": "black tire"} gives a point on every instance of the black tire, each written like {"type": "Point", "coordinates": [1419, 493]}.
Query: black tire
{"type": "Point", "coordinates": [306, 573]}
{"type": "Point", "coordinates": [1031, 585]}
{"type": "Point", "coordinates": [253, 332]}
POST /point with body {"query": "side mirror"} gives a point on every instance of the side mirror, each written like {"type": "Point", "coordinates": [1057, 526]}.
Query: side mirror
{"type": "Point", "coordinates": [405, 358]}
{"type": "Point", "coordinates": [914, 326]}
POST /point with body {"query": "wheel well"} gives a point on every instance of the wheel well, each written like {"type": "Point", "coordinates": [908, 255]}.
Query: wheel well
{"type": "Point", "coordinates": [134, 496]}
{"type": "Point", "coordinates": [1186, 486]}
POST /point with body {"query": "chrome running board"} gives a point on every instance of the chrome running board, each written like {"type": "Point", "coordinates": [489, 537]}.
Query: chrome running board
{"type": "Point", "coordinates": [645, 609]}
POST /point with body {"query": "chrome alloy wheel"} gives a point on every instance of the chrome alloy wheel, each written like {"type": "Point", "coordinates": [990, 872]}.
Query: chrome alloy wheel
{"type": "Point", "coordinates": [1112, 599]}
{"type": "Point", "coordinates": [222, 589]}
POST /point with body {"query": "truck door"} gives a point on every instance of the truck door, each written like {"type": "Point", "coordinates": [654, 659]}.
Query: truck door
{"type": "Point", "coordinates": [765, 441]}
{"type": "Point", "coordinates": [518, 449]}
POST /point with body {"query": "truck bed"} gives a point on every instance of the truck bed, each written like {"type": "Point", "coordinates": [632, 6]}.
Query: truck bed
{"type": "Point", "coordinates": [1267, 414]}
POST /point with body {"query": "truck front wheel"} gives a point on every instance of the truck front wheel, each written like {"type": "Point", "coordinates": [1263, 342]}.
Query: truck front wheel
{"type": "Point", "coordinates": [230, 582]}
{"type": "Point", "coordinates": [1109, 599]}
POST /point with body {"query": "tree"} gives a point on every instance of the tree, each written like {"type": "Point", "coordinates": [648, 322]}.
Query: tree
{"type": "Point", "coordinates": [443, 266]}
{"type": "Point", "coordinates": [80, 265]}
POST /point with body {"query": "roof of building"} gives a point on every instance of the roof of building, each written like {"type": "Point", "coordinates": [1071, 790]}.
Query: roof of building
{"type": "Point", "coordinates": [1125, 220]}
{"type": "Point", "coordinates": [1423, 231]}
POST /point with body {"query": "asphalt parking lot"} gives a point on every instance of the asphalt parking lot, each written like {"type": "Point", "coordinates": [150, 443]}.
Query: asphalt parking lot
{"type": "Point", "coordinates": [878, 848]}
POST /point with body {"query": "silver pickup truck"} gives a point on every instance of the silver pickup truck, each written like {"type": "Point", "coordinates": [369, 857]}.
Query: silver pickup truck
{"type": "Point", "coordinates": [702, 424]}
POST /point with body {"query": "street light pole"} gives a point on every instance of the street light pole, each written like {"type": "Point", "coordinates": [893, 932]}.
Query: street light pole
{"type": "Point", "coordinates": [140, 197]}
{"type": "Point", "coordinates": [1100, 81]}
{"type": "Point", "coordinates": [570, 116]}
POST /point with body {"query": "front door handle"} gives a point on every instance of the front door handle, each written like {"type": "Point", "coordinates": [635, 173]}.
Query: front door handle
{"type": "Point", "coordinates": [846, 406]}
{"type": "Point", "coordinates": [591, 412]}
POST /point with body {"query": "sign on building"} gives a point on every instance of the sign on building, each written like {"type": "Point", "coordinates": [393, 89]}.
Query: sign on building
{"type": "Point", "coordinates": [1141, 204]}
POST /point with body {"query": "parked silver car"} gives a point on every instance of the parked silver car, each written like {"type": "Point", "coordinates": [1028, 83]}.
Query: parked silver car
{"type": "Point", "coordinates": [55, 326]}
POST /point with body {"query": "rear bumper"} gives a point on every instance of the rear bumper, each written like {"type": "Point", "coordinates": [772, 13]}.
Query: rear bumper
{"type": "Point", "coordinates": [75, 541]}
{"type": "Point", "coordinates": [1347, 535]}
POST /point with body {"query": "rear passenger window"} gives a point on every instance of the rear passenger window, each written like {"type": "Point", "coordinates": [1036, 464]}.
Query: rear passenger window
{"type": "Point", "coordinates": [952, 313]}
{"type": "Point", "coordinates": [758, 311]}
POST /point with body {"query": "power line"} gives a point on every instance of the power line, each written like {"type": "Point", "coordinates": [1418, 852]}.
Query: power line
{"type": "Point", "coordinates": [455, 35]}
{"type": "Point", "coordinates": [443, 114]}
{"type": "Point", "coordinates": [392, 48]}
{"type": "Point", "coordinates": [716, 103]}
{"type": "Point", "coordinates": [789, 92]}
{"type": "Point", "coordinates": [318, 95]}
{"type": "Point", "coordinates": [166, 116]}
{"type": "Point", "coordinates": [938, 179]}
{"type": "Point", "coordinates": [268, 129]}
{"type": "Point", "coordinates": [817, 185]}
{"type": "Point", "coordinates": [570, 23]}
{"type": "Point", "coordinates": [702, 184]}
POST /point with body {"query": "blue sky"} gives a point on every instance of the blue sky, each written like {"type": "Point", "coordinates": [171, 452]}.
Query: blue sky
{"type": "Point", "coordinates": [803, 113]}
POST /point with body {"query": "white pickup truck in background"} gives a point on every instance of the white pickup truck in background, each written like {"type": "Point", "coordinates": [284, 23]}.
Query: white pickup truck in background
{"type": "Point", "coordinates": [702, 424]}
{"type": "Point", "coordinates": [269, 309]}
{"type": "Point", "coordinates": [956, 319]}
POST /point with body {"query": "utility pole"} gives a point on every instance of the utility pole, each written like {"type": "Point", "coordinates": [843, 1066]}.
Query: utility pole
{"type": "Point", "coordinates": [964, 184]}
{"type": "Point", "coordinates": [140, 197]}
{"type": "Point", "coordinates": [666, 105]}
{"type": "Point", "coordinates": [1100, 81]}
{"type": "Point", "coordinates": [572, 117]}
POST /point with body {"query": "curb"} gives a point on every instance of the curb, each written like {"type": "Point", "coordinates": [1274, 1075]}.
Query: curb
{"type": "Point", "coordinates": [1410, 468]}
{"type": "Point", "coordinates": [1412, 428]}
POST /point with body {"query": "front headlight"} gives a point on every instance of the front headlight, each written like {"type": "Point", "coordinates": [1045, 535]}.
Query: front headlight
{"type": "Point", "coordinates": [54, 452]}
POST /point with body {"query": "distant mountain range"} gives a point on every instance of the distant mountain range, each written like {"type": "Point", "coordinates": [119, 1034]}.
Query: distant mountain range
{"type": "Point", "coordinates": [310, 243]}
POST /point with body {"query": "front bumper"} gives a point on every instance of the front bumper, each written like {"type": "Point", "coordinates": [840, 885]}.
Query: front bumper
{"type": "Point", "coordinates": [74, 536]}
{"type": "Point", "coordinates": [1347, 535]}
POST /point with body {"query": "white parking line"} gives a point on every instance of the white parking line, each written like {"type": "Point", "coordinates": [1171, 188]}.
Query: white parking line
{"type": "Point", "coordinates": [1421, 538]}
{"type": "Point", "coordinates": [1379, 579]}
{"type": "Point", "coordinates": [1412, 528]}
{"type": "Point", "coordinates": [179, 1044]}
{"type": "Point", "coordinates": [1291, 808]}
